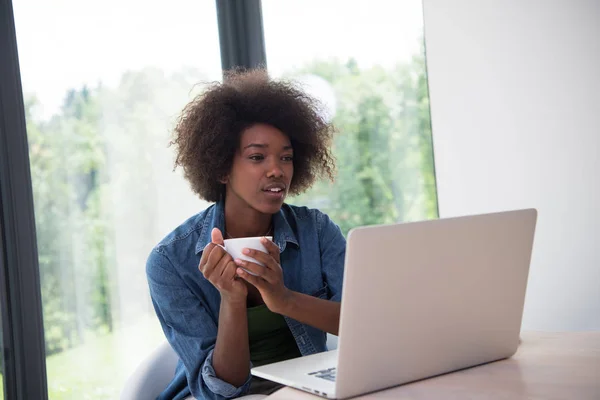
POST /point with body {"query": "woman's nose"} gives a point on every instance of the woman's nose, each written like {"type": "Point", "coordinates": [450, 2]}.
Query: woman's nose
{"type": "Point", "coordinates": [275, 170]}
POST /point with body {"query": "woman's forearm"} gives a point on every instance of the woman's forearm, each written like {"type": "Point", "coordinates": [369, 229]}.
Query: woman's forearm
{"type": "Point", "coordinates": [231, 358]}
{"type": "Point", "coordinates": [318, 313]}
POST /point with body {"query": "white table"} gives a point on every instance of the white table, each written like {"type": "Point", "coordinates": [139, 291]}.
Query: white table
{"type": "Point", "coordinates": [546, 366]}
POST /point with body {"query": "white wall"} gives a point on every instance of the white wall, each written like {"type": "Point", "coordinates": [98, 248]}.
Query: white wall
{"type": "Point", "coordinates": [515, 102]}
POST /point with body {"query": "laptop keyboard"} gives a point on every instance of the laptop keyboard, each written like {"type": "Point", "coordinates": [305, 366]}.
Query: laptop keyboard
{"type": "Point", "coordinates": [328, 374]}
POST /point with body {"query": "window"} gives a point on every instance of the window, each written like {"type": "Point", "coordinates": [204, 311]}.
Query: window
{"type": "Point", "coordinates": [103, 83]}
{"type": "Point", "coordinates": [365, 62]}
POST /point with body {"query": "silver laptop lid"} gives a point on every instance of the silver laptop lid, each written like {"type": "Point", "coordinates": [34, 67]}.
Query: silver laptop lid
{"type": "Point", "coordinates": [425, 298]}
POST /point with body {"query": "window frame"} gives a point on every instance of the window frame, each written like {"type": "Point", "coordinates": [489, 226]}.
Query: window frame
{"type": "Point", "coordinates": [21, 303]}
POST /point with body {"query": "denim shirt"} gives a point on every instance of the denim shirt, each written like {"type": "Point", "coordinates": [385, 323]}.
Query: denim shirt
{"type": "Point", "coordinates": [312, 250]}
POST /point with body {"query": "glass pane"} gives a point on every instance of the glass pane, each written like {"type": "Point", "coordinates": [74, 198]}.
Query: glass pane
{"type": "Point", "coordinates": [365, 61]}
{"type": "Point", "coordinates": [103, 84]}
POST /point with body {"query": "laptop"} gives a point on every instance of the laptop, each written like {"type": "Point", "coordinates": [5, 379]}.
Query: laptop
{"type": "Point", "coordinates": [421, 299]}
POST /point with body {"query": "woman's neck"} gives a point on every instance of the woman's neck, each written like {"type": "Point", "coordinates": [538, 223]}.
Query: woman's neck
{"type": "Point", "coordinates": [246, 222]}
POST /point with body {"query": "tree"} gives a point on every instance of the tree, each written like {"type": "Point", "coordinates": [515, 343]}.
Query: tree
{"type": "Point", "coordinates": [66, 160]}
{"type": "Point", "coordinates": [383, 146]}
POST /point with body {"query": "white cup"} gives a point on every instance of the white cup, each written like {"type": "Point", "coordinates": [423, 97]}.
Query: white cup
{"type": "Point", "coordinates": [235, 246]}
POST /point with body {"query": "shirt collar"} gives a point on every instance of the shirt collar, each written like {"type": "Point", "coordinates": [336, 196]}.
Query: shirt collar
{"type": "Point", "coordinates": [215, 218]}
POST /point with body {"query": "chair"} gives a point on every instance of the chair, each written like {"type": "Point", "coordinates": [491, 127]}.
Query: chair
{"type": "Point", "coordinates": [152, 376]}
{"type": "Point", "coordinates": [156, 371]}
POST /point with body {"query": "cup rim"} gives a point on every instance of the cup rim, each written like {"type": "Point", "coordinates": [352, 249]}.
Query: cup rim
{"type": "Point", "coordinates": [248, 238]}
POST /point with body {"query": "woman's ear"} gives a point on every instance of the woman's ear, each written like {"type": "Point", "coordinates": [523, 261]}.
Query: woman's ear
{"type": "Point", "coordinates": [224, 180]}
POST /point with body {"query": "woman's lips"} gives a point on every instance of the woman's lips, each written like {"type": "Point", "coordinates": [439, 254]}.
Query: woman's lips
{"type": "Point", "coordinates": [274, 194]}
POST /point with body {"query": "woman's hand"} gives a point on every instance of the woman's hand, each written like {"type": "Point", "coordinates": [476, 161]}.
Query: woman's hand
{"type": "Point", "coordinates": [269, 279]}
{"type": "Point", "coordinates": [218, 268]}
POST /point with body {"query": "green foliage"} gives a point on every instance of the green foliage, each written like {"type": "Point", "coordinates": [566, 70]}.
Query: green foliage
{"type": "Point", "coordinates": [98, 369]}
{"type": "Point", "coordinates": [383, 146]}
{"type": "Point", "coordinates": [66, 159]}
{"type": "Point", "coordinates": [97, 150]}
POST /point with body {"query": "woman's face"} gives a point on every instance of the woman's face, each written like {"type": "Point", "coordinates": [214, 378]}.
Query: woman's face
{"type": "Point", "coordinates": [262, 169]}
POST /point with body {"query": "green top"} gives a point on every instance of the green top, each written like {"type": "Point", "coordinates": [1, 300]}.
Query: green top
{"type": "Point", "coordinates": [270, 337]}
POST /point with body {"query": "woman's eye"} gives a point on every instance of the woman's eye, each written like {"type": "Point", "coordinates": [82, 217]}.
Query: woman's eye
{"type": "Point", "coordinates": [287, 158]}
{"type": "Point", "coordinates": [256, 157]}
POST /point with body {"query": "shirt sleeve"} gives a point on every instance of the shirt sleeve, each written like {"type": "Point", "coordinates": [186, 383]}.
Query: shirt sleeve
{"type": "Point", "coordinates": [333, 251]}
{"type": "Point", "coordinates": [189, 329]}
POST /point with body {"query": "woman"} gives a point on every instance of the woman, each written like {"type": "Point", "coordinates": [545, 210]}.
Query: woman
{"type": "Point", "coordinates": [246, 144]}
